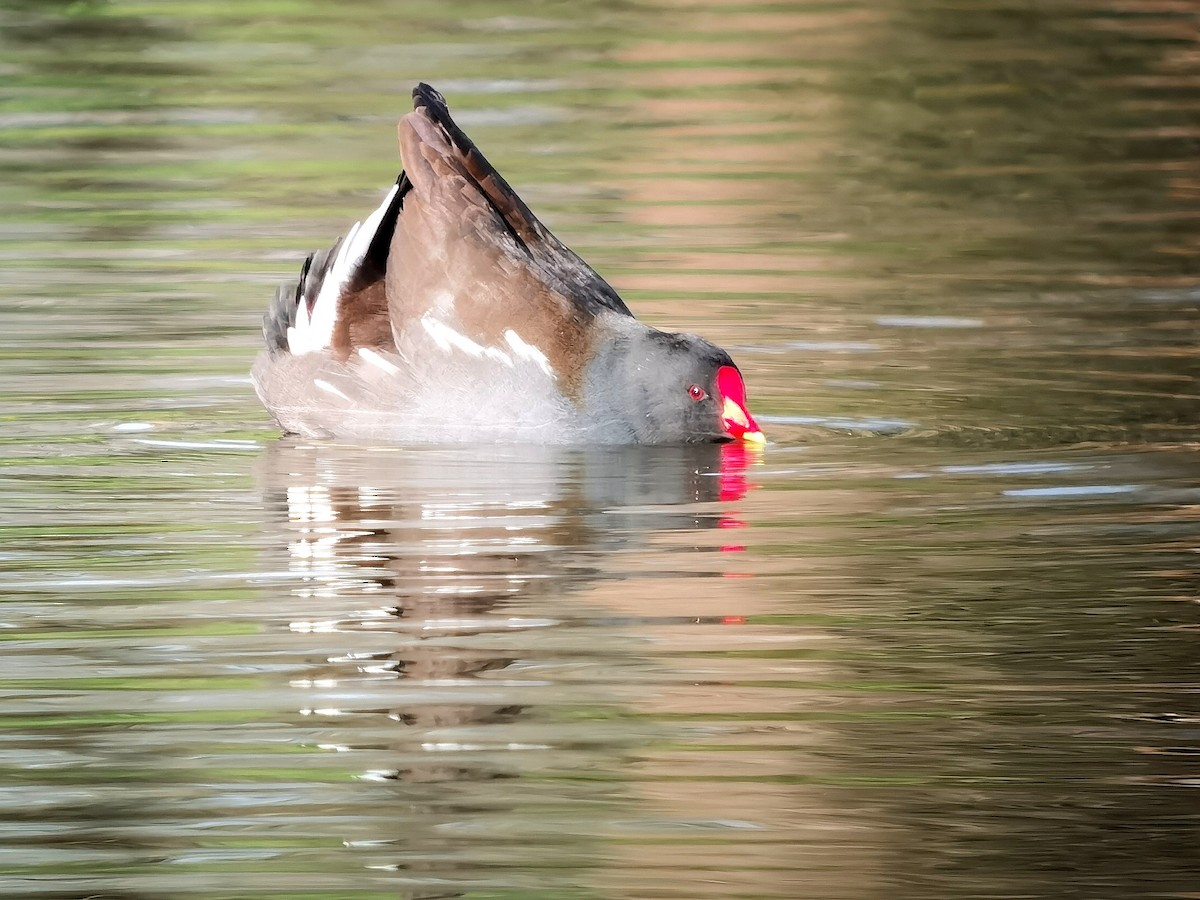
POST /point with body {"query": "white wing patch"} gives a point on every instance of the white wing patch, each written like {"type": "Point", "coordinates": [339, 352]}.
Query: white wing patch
{"type": "Point", "coordinates": [314, 332]}
{"type": "Point", "coordinates": [522, 349]}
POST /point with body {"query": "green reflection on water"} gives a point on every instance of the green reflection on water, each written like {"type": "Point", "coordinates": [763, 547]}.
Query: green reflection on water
{"type": "Point", "coordinates": [992, 697]}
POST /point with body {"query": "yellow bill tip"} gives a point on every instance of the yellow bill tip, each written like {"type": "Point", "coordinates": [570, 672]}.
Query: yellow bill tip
{"type": "Point", "coordinates": [755, 437]}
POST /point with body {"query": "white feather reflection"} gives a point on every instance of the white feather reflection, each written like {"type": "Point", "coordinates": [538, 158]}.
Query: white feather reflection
{"type": "Point", "coordinates": [423, 582]}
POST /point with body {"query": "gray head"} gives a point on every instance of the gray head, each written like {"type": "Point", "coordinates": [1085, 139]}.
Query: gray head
{"type": "Point", "coordinates": [647, 386]}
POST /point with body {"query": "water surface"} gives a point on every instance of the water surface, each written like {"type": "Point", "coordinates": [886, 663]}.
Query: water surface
{"type": "Point", "coordinates": [937, 641]}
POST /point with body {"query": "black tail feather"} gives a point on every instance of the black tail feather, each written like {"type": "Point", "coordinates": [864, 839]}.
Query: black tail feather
{"type": "Point", "coordinates": [281, 314]}
{"type": "Point", "coordinates": [374, 264]}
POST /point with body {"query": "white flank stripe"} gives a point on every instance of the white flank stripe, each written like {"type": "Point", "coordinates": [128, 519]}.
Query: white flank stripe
{"type": "Point", "coordinates": [315, 332]}
{"type": "Point", "coordinates": [370, 356]}
{"type": "Point", "coordinates": [498, 355]}
{"type": "Point", "coordinates": [525, 350]}
{"type": "Point", "coordinates": [448, 339]}
{"type": "Point", "coordinates": [329, 388]}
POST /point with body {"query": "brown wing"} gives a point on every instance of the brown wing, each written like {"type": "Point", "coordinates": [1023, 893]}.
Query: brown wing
{"type": "Point", "coordinates": [466, 245]}
{"type": "Point", "coordinates": [551, 260]}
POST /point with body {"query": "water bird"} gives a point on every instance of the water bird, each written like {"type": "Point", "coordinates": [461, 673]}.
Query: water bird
{"type": "Point", "coordinates": [452, 314]}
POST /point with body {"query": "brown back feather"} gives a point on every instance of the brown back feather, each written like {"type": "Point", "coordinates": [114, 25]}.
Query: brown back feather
{"type": "Point", "coordinates": [465, 241]}
{"type": "Point", "coordinates": [553, 261]}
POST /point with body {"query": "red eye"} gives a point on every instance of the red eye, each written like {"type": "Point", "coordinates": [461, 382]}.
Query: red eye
{"type": "Point", "coordinates": [696, 393]}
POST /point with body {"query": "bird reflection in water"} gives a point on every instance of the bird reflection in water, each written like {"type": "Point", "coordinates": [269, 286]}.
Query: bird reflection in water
{"type": "Point", "coordinates": [458, 576]}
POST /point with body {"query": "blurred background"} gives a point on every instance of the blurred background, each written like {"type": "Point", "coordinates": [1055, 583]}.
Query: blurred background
{"type": "Point", "coordinates": [936, 641]}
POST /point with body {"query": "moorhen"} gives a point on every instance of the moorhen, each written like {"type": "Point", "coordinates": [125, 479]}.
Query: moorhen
{"type": "Point", "coordinates": [451, 314]}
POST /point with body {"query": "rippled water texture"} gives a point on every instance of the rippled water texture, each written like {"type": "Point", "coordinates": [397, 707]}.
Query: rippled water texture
{"type": "Point", "coordinates": [937, 641]}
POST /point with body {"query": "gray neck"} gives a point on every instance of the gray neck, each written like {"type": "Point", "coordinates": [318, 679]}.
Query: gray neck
{"type": "Point", "coordinates": [614, 396]}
